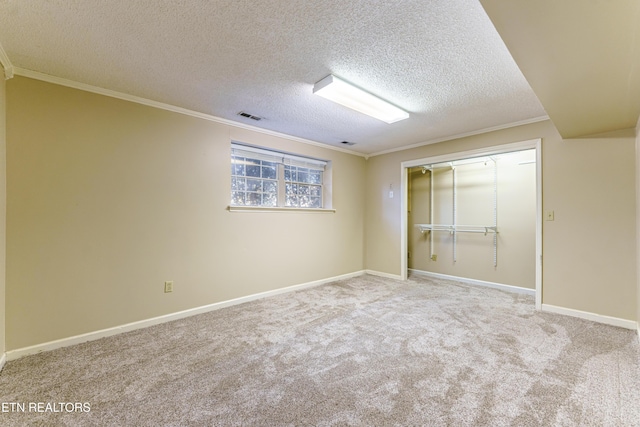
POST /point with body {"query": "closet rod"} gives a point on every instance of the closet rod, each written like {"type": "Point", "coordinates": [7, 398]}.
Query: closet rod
{"type": "Point", "coordinates": [458, 228]}
{"type": "Point", "coordinates": [449, 165]}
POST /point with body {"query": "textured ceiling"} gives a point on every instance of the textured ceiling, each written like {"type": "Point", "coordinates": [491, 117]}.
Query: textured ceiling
{"type": "Point", "coordinates": [441, 60]}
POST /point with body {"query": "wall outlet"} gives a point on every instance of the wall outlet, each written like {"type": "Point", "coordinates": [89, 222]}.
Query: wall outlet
{"type": "Point", "coordinates": [434, 257]}
{"type": "Point", "coordinates": [168, 287]}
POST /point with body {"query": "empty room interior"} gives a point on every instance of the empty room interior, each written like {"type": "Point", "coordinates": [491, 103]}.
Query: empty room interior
{"type": "Point", "coordinates": [200, 225]}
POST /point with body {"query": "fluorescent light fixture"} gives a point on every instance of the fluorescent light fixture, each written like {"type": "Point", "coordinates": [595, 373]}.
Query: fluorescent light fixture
{"type": "Point", "coordinates": [341, 92]}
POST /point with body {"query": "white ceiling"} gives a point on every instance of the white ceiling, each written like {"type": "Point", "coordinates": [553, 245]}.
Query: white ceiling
{"type": "Point", "coordinates": [441, 60]}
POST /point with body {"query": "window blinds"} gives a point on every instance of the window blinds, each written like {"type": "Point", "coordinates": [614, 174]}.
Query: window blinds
{"type": "Point", "coordinates": [276, 157]}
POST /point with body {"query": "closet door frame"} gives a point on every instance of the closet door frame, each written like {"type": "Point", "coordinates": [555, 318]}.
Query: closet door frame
{"type": "Point", "coordinates": [487, 151]}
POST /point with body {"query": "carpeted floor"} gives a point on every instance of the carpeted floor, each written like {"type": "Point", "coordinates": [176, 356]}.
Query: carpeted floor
{"type": "Point", "coordinates": [365, 351]}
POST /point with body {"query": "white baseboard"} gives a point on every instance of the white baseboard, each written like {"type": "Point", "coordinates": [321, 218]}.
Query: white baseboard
{"type": "Point", "coordinates": [508, 288]}
{"type": "Point", "coordinates": [3, 360]}
{"type": "Point", "coordinates": [385, 275]}
{"type": "Point", "coordinates": [607, 320]}
{"type": "Point", "coordinates": [91, 336]}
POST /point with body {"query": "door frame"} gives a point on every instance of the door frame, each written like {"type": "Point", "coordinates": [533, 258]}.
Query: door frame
{"type": "Point", "coordinates": [487, 151]}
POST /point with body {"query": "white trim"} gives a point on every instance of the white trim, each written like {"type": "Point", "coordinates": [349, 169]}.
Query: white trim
{"type": "Point", "coordinates": [461, 135]}
{"type": "Point", "coordinates": [599, 318]}
{"type": "Point", "coordinates": [161, 105]}
{"type": "Point", "coordinates": [6, 64]}
{"type": "Point", "coordinates": [637, 177]}
{"type": "Point", "coordinates": [486, 151]}
{"type": "Point", "coordinates": [404, 220]}
{"type": "Point", "coordinates": [539, 224]}
{"type": "Point", "coordinates": [385, 275]}
{"type": "Point", "coordinates": [3, 360]}
{"type": "Point", "coordinates": [278, 209]}
{"type": "Point", "coordinates": [502, 287]}
{"type": "Point", "coordinates": [10, 70]}
{"type": "Point", "coordinates": [478, 152]}
{"type": "Point", "coordinates": [91, 336]}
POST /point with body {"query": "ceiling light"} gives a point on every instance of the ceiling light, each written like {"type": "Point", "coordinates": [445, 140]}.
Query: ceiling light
{"type": "Point", "coordinates": [341, 92]}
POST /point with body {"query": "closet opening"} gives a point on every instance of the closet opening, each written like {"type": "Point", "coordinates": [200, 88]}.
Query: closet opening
{"type": "Point", "coordinates": [476, 217]}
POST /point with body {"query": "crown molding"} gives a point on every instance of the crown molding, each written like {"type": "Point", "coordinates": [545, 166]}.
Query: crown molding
{"type": "Point", "coordinates": [10, 70]}
{"type": "Point", "coordinates": [161, 105]}
{"type": "Point", "coordinates": [6, 64]}
{"type": "Point", "coordinates": [462, 135]}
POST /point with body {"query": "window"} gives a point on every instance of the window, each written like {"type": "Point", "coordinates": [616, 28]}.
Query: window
{"type": "Point", "coordinates": [268, 178]}
{"type": "Point", "coordinates": [253, 181]}
{"type": "Point", "coordinates": [303, 187]}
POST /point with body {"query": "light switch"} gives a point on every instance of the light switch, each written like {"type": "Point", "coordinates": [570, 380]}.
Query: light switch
{"type": "Point", "coordinates": [549, 215]}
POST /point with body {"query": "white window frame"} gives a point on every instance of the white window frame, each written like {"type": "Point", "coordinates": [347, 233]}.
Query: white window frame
{"type": "Point", "coordinates": [283, 159]}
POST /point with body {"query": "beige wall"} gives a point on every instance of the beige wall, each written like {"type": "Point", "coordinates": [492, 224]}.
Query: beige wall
{"type": "Point", "coordinates": [589, 250]}
{"type": "Point", "coordinates": [107, 199]}
{"type": "Point", "coordinates": [3, 211]}
{"type": "Point", "coordinates": [516, 213]}
{"type": "Point", "coordinates": [589, 253]}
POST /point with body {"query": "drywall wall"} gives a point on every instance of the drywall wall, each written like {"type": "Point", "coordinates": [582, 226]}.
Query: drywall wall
{"type": "Point", "coordinates": [589, 251]}
{"type": "Point", "coordinates": [107, 199]}
{"type": "Point", "coordinates": [516, 213]}
{"type": "Point", "coordinates": [3, 210]}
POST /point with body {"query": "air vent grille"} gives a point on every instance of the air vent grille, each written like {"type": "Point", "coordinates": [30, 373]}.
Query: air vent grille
{"type": "Point", "coordinates": [249, 116]}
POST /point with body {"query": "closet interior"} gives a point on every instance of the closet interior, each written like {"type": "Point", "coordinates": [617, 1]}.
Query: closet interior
{"type": "Point", "coordinates": [475, 218]}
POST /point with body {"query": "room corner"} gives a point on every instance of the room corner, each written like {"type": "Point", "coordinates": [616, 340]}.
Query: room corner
{"type": "Point", "coordinates": [3, 217]}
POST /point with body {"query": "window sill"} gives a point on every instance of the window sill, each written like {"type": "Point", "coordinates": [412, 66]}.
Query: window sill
{"type": "Point", "coordinates": [278, 209]}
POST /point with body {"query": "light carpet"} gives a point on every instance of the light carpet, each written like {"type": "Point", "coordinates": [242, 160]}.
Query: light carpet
{"type": "Point", "coordinates": [364, 351]}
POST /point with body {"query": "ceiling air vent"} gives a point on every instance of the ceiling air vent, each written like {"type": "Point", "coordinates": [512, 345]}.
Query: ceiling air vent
{"type": "Point", "coordinates": [249, 116]}
{"type": "Point", "coordinates": [348, 143]}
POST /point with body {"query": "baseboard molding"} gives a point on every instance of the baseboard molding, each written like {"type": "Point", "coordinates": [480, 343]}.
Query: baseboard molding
{"type": "Point", "coordinates": [3, 360]}
{"type": "Point", "coordinates": [91, 336]}
{"type": "Point", "coordinates": [382, 274]}
{"type": "Point", "coordinates": [508, 288]}
{"type": "Point", "coordinates": [599, 318]}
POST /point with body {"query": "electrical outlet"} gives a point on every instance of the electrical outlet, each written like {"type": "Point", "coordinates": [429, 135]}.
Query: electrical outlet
{"type": "Point", "coordinates": [168, 287]}
{"type": "Point", "coordinates": [434, 257]}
